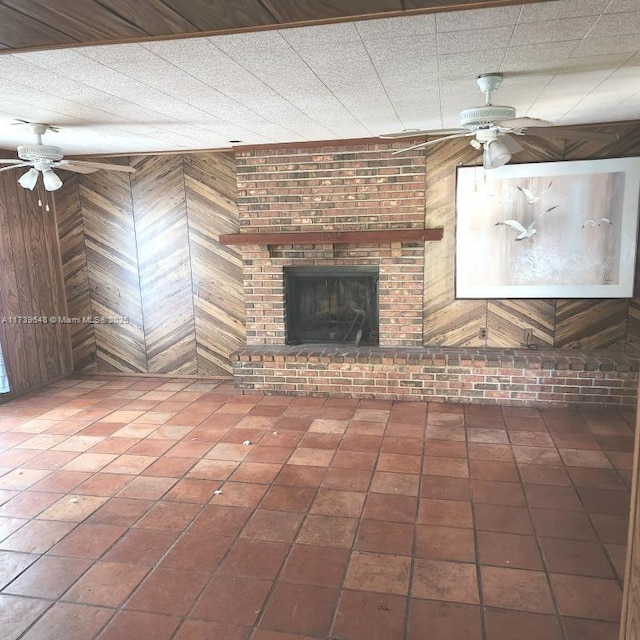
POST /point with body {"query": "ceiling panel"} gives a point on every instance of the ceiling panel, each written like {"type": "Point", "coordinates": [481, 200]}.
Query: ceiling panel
{"type": "Point", "coordinates": [568, 62]}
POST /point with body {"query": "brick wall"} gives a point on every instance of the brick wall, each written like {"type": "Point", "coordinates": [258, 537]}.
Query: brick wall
{"type": "Point", "coordinates": [356, 187]}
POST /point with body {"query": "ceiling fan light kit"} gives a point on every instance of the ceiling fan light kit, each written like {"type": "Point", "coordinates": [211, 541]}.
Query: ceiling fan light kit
{"type": "Point", "coordinates": [493, 127]}
{"type": "Point", "coordinates": [44, 158]}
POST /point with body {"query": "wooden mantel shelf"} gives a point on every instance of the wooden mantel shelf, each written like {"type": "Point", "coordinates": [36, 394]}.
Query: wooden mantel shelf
{"type": "Point", "coordinates": [335, 237]}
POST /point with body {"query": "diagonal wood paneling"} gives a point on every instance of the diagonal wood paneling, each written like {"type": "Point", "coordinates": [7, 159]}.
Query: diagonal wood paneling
{"type": "Point", "coordinates": [591, 324]}
{"type": "Point", "coordinates": [112, 263]}
{"type": "Point", "coordinates": [75, 273]}
{"type": "Point", "coordinates": [162, 239]}
{"type": "Point", "coordinates": [507, 320]}
{"type": "Point", "coordinates": [210, 184]}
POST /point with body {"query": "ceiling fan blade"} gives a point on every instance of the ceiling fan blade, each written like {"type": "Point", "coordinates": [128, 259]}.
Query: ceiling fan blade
{"type": "Point", "coordinates": [570, 134]}
{"type": "Point", "coordinates": [435, 141]}
{"type": "Point", "coordinates": [90, 167]}
{"type": "Point", "coordinates": [413, 133]}
{"type": "Point", "coordinates": [15, 166]}
{"type": "Point", "coordinates": [523, 123]}
{"type": "Point", "coordinates": [10, 161]}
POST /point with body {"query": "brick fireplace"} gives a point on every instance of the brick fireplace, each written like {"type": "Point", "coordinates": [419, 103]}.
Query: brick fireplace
{"type": "Point", "coordinates": [296, 205]}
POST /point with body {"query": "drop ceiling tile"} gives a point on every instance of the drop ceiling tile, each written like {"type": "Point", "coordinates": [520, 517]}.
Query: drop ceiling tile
{"type": "Point", "coordinates": [552, 30]}
{"type": "Point", "coordinates": [617, 6]}
{"type": "Point", "coordinates": [536, 56]}
{"type": "Point", "coordinates": [326, 34]}
{"type": "Point", "coordinates": [397, 27]}
{"type": "Point", "coordinates": [605, 46]}
{"type": "Point", "coordinates": [617, 24]}
{"type": "Point", "coordinates": [476, 19]}
{"type": "Point", "coordinates": [408, 52]}
{"type": "Point", "coordinates": [470, 65]}
{"type": "Point", "coordinates": [473, 39]}
{"type": "Point", "coordinates": [541, 11]}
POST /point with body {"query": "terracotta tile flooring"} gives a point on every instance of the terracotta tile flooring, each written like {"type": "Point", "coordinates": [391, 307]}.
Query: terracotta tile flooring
{"type": "Point", "coordinates": [171, 509]}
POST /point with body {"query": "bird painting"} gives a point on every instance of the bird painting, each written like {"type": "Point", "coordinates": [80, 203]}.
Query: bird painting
{"type": "Point", "coordinates": [525, 233]}
{"type": "Point", "coordinates": [530, 196]}
{"type": "Point", "coordinates": [597, 223]}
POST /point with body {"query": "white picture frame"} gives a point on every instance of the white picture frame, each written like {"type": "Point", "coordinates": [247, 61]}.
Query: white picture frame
{"type": "Point", "coordinates": [547, 230]}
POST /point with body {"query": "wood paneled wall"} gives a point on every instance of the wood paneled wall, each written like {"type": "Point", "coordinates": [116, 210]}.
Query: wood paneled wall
{"type": "Point", "coordinates": [563, 324]}
{"type": "Point", "coordinates": [151, 254]}
{"type": "Point", "coordinates": [36, 351]}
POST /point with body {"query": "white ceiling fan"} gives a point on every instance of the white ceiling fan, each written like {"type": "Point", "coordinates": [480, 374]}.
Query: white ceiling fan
{"type": "Point", "coordinates": [493, 128]}
{"type": "Point", "coordinates": [43, 159]}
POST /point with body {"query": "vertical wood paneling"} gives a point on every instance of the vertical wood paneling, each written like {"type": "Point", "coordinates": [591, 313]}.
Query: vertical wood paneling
{"type": "Point", "coordinates": [36, 351]}
{"type": "Point", "coordinates": [210, 183]}
{"type": "Point", "coordinates": [447, 321]}
{"type": "Point", "coordinates": [75, 273]}
{"type": "Point", "coordinates": [630, 621]}
{"type": "Point", "coordinates": [112, 263]}
{"type": "Point", "coordinates": [162, 239]}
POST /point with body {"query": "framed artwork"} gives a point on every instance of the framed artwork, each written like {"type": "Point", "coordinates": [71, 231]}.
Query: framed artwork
{"type": "Point", "coordinates": [547, 230]}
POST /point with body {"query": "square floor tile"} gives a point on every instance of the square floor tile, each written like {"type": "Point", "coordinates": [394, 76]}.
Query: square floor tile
{"type": "Point", "coordinates": [141, 546]}
{"type": "Point", "coordinates": [69, 621]}
{"type": "Point", "coordinates": [444, 621]}
{"type": "Point", "coordinates": [509, 625]}
{"type": "Point", "coordinates": [49, 577]}
{"type": "Point", "coordinates": [378, 572]}
{"type": "Point", "coordinates": [254, 559]}
{"type": "Point", "coordinates": [310, 564]}
{"type": "Point", "coordinates": [141, 626]}
{"type": "Point", "coordinates": [18, 613]}
{"type": "Point", "coordinates": [232, 599]}
{"type": "Point", "coordinates": [445, 513]}
{"type": "Point", "coordinates": [370, 616]}
{"type": "Point", "coordinates": [443, 580]}
{"type": "Point", "coordinates": [508, 550]}
{"type": "Point", "coordinates": [516, 589]}
{"type": "Point", "coordinates": [583, 597]}
{"type": "Point", "coordinates": [106, 584]}
{"type": "Point", "coordinates": [171, 591]}
{"type": "Point", "coordinates": [445, 543]}
{"type": "Point", "coordinates": [390, 508]}
{"type": "Point", "coordinates": [576, 558]}
{"type": "Point", "coordinates": [330, 502]}
{"type": "Point", "coordinates": [278, 526]}
{"type": "Point", "coordinates": [300, 608]}
{"type": "Point", "coordinates": [385, 537]}
{"type": "Point", "coordinates": [328, 531]}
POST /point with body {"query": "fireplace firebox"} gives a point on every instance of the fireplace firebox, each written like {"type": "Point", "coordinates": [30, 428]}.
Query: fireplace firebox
{"type": "Point", "coordinates": [337, 305]}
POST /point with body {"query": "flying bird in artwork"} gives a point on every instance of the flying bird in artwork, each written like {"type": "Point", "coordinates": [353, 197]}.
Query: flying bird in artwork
{"type": "Point", "coordinates": [531, 197]}
{"type": "Point", "coordinates": [525, 233]}
{"type": "Point", "coordinates": [597, 223]}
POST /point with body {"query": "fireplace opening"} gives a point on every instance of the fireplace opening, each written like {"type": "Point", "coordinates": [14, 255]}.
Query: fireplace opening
{"type": "Point", "coordinates": [332, 305]}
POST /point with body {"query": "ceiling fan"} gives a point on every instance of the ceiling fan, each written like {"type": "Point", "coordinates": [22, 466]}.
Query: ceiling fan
{"type": "Point", "coordinates": [493, 128]}
{"type": "Point", "coordinates": [43, 159]}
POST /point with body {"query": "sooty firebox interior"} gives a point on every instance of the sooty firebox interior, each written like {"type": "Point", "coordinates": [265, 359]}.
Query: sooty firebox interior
{"type": "Point", "coordinates": [332, 305]}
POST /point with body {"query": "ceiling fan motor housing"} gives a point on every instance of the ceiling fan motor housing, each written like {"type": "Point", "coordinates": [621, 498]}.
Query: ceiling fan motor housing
{"type": "Point", "coordinates": [485, 116]}
{"type": "Point", "coordinates": [39, 152]}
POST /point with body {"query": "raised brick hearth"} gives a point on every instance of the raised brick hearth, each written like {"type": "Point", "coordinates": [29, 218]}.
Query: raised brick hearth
{"type": "Point", "coordinates": [489, 376]}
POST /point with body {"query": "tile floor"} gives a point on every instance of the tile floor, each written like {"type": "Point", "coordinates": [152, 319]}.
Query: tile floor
{"type": "Point", "coordinates": [153, 509]}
